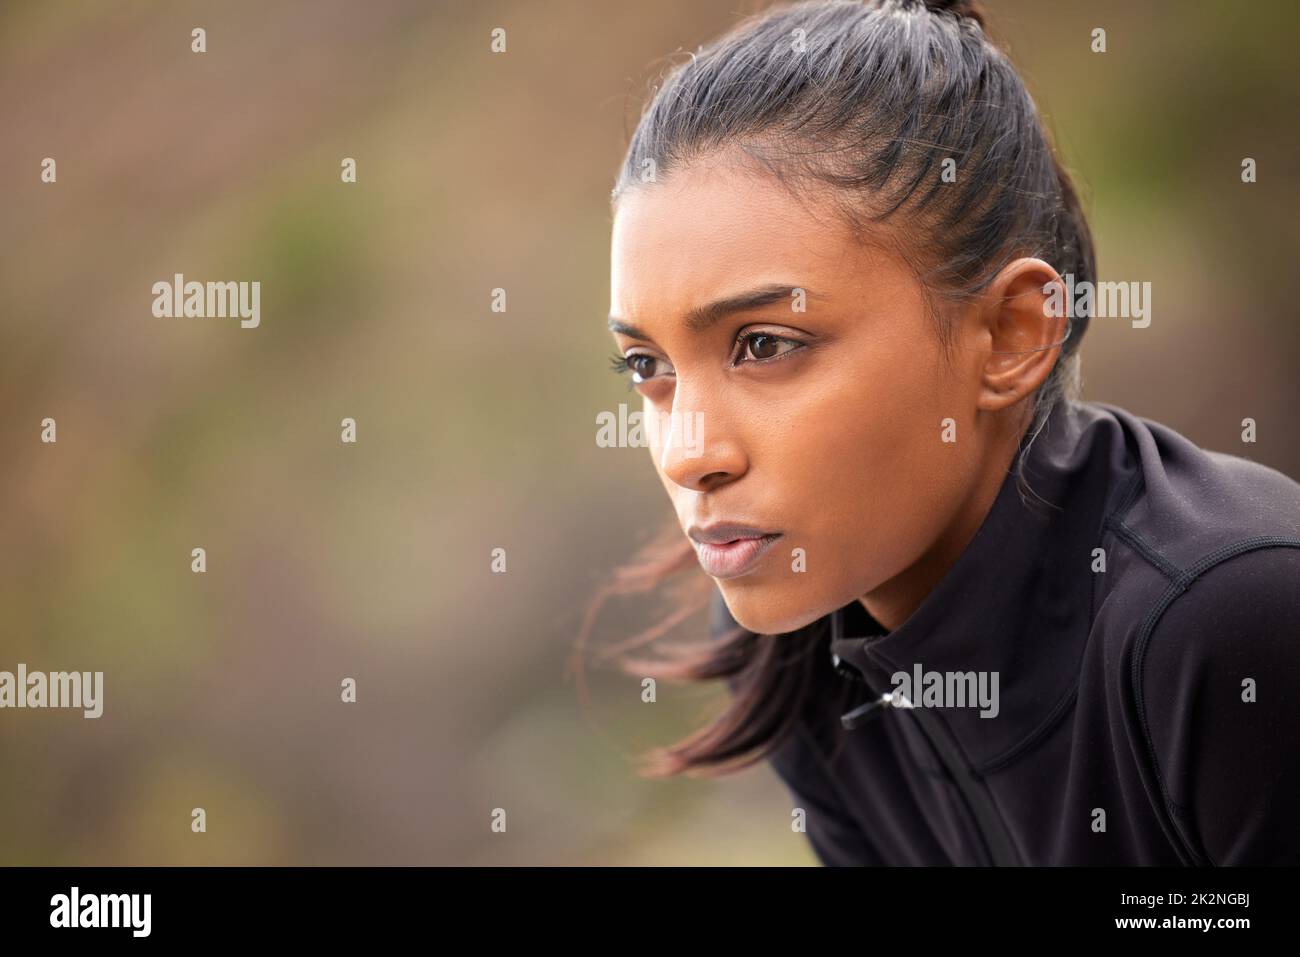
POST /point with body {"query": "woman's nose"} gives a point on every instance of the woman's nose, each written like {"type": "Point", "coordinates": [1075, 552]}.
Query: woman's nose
{"type": "Point", "coordinates": [697, 450]}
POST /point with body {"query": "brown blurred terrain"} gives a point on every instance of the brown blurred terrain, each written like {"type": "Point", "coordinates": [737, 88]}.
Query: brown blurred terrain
{"type": "Point", "coordinates": [475, 428]}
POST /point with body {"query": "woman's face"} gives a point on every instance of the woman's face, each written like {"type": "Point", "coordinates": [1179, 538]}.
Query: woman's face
{"type": "Point", "coordinates": [819, 418]}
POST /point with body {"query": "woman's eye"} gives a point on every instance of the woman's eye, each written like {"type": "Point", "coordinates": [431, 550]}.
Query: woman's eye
{"type": "Point", "coordinates": [761, 346]}
{"type": "Point", "coordinates": [642, 366]}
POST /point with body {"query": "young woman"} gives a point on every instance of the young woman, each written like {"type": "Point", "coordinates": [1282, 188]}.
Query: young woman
{"type": "Point", "coordinates": [968, 618]}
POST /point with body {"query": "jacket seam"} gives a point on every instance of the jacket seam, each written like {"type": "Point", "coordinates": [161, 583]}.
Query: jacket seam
{"type": "Point", "coordinates": [1127, 498]}
{"type": "Point", "coordinates": [1180, 583]}
{"type": "Point", "coordinates": [1152, 557]}
{"type": "Point", "coordinates": [1054, 716]}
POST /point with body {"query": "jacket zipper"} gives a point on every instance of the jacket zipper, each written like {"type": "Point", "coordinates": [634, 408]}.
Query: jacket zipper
{"type": "Point", "coordinates": [865, 712]}
{"type": "Point", "coordinates": [994, 838]}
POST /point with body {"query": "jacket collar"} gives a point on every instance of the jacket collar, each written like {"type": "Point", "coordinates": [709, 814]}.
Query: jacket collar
{"type": "Point", "coordinates": [1018, 599]}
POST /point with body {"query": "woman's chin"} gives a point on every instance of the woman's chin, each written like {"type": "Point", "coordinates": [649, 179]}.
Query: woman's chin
{"type": "Point", "coordinates": [765, 612]}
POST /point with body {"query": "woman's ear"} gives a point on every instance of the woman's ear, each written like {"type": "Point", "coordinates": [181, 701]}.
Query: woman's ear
{"type": "Point", "coordinates": [1024, 332]}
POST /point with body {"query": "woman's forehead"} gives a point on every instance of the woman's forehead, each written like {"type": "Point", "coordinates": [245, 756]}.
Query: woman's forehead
{"type": "Point", "coordinates": [695, 234]}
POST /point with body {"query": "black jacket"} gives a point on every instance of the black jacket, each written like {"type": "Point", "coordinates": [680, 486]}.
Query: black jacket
{"type": "Point", "coordinates": [1124, 733]}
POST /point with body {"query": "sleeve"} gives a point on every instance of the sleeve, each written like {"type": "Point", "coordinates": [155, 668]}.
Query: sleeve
{"type": "Point", "coordinates": [1221, 690]}
{"type": "Point", "coordinates": [836, 838]}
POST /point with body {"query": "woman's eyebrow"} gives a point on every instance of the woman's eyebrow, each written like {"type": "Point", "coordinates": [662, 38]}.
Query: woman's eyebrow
{"type": "Point", "coordinates": [702, 317]}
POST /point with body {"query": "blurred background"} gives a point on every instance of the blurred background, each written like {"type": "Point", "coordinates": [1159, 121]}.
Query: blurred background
{"type": "Point", "coordinates": [475, 429]}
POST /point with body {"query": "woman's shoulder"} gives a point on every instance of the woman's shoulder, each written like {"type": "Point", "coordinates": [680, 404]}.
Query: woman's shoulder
{"type": "Point", "coordinates": [1213, 539]}
{"type": "Point", "coordinates": [1206, 608]}
{"type": "Point", "coordinates": [1216, 687]}
{"type": "Point", "coordinates": [1186, 505]}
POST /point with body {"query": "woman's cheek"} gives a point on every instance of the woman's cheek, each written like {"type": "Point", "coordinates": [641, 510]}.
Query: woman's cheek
{"type": "Point", "coordinates": [880, 480]}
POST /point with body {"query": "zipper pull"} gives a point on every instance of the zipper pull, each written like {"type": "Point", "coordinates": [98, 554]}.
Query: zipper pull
{"type": "Point", "coordinates": [865, 712]}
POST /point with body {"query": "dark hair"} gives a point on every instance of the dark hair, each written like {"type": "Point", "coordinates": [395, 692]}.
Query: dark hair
{"type": "Point", "coordinates": [868, 99]}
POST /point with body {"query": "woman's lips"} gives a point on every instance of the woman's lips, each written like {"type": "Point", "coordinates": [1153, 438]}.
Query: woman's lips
{"type": "Point", "coordinates": [734, 558]}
